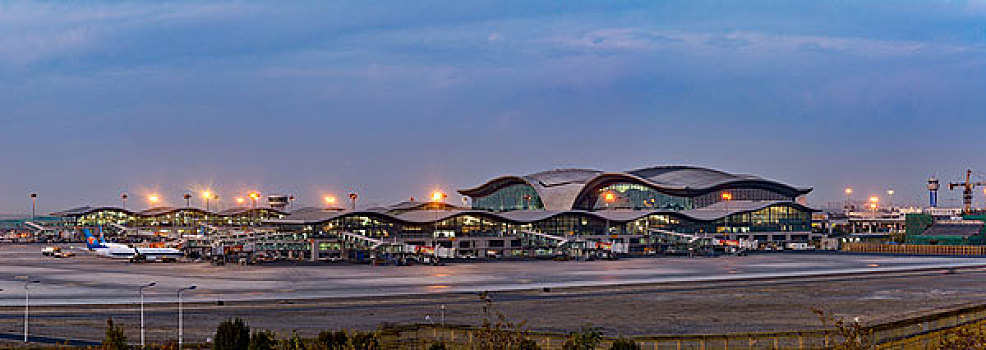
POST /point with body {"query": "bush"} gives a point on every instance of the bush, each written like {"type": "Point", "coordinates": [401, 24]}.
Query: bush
{"type": "Point", "coordinates": [231, 334]}
{"type": "Point", "coordinates": [263, 340]}
{"type": "Point", "coordinates": [115, 340]}
{"type": "Point", "coordinates": [337, 340]}
{"type": "Point", "coordinates": [624, 344]}
{"type": "Point", "coordinates": [294, 343]}
{"type": "Point", "coordinates": [438, 346]}
{"type": "Point", "coordinates": [364, 341]}
{"type": "Point", "coordinates": [587, 338]}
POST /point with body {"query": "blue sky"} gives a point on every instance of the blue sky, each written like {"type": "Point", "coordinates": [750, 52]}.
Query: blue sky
{"type": "Point", "coordinates": [395, 99]}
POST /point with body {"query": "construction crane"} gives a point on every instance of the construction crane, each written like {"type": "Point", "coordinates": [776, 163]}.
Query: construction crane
{"type": "Point", "coordinates": [967, 188]}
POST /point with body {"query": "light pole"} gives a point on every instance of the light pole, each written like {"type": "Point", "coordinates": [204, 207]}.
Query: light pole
{"type": "Point", "coordinates": [34, 200]}
{"type": "Point", "coordinates": [27, 303]}
{"type": "Point", "coordinates": [188, 200]}
{"type": "Point", "coordinates": [848, 199]}
{"type": "Point", "coordinates": [207, 195]}
{"type": "Point", "coordinates": [890, 199]}
{"type": "Point", "coordinates": [180, 325]}
{"type": "Point", "coordinates": [140, 290]}
{"type": "Point", "coordinates": [123, 197]}
{"type": "Point", "coordinates": [353, 196]}
{"type": "Point", "coordinates": [291, 203]}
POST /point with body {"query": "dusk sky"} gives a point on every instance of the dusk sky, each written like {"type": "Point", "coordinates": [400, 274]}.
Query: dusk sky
{"type": "Point", "coordinates": [396, 99]}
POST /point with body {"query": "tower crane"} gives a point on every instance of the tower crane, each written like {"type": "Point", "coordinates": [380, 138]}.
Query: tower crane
{"type": "Point", "coordinates": [967, 188]}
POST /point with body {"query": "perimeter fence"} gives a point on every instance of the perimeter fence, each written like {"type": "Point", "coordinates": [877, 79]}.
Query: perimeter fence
{"type": "Point", "coordinates": [913, 333]}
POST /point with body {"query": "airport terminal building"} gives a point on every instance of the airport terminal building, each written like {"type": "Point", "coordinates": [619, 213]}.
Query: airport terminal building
{"type": "Point", "coordinates": [640, 211]}
{"type": "Point", "coordinates": [557, 212]}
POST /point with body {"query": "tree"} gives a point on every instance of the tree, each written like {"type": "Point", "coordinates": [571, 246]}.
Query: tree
{"type": "Point", "coordinates": [587, 338]}
{"type": "Point", "coordinates": [329, 340]}
{"type": "Point", "coordinates": [263, 340]}
{"type": "Point", "coordinates": [624, 344]}
{"type": "Point", "coordinates": [115, 340]}
{"type": "Point", "coordinates": [854, 335]}
{"type": "Point", "coordinates": [498, 333]}
{"type": "Point", "coordinates": [232, 334]}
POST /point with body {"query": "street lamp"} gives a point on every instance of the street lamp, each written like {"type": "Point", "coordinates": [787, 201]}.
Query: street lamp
{"type": "Point", "coordinates": [848, 199]}
{"type": "Point", "coordinates": [239, 201]}
{"type": "Point", "coordinates": [890, 199]}
{"type": "Point", "coordinates": [329, 201]}
{"type": "Point", "coordinates": [207, 195]}
{"type": "Point", "coordinates": [438, 197]}
{"type": "Point", "coordinates": [180, 325]}
{"type": "Point", "coordinates": [874, 200]}
{"type": "Point", "coordinates": [291, 203]}
{"type": "Point", "coordinates": [140, 290]}
{"type": "Point", "coordinates": [123, 197]}
{"type": "Point", "coordinates": [153, 199]}
{"type": "Point", "coordinates": [255, 197]}
{"type": "Point", "coordinates": [27, 303]}
{"type": "Point", "coordinates": [353, 197]}
{"type": "Point", "coordinates": [608, 197]}
{"type": "Point", "coordinates": [34, 200]}
{"type": "Point", "coordinates": [188, 200]}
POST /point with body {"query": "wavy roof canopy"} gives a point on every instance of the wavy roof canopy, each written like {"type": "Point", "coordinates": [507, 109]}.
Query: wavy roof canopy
{"type": "Point", "coordinates": [711, 213]}
{"type": "Point", "coordinates": [561, 189]}
{"type": "Point", "coordinates": [80, 211]}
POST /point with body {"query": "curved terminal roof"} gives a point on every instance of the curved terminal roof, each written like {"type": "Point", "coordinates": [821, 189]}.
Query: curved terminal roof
{"type": "Point", "coordinates": [156, 211]}
{"type": "Point", "coordinates": [560, 189]}
{"type": "Point", "coordinates": [710, 213]}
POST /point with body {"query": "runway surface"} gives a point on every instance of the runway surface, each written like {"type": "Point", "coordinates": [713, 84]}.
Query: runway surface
{"type": "Point", "coordinates": [86, 279]}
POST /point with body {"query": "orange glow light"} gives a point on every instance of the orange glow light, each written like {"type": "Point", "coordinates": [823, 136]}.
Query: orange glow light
{"type": "Point", "coordinates": [727, 196]}
{"type": "Point", "coordinates": [153, 198]}
{"type": "Point", "coordinates": [330, 199]}
{"type": "Point", "coordinates": [848, 190]}
{"type": "Point", "coordinates": [254, 195]}
{"type": "Point", "coordinates": [206, 194]}
{"type": "Point", "coordinates": [239, 200]}
{"type": "Point", "coordinates": [438, 196]}
{"type": "Point", "coordinates": [609, 197]}
{"type": "Point", "coordinates": [874, 199]}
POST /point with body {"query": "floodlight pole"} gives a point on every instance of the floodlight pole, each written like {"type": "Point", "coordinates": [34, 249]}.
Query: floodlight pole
{"type": "Point", "coordinates": [180, 325]}
{"type": "Point", "coordinates": [27, 303]}
{"type": "Point", "coordinates": [140, 290]}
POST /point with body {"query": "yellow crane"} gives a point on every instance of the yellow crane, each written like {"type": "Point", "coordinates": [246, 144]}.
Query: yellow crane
{"type": "Point", "coordinates": [967, 188]}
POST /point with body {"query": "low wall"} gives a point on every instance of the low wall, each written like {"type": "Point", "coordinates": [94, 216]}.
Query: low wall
{"type": "Point", "coordinates": [967, 250]}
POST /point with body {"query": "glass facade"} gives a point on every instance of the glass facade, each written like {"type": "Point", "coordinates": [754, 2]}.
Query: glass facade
{"type": "Point", "coordinates": [512, 197]}
{"type": "Point", "coordinates": [177, 218]}
{"type": "Point", "coordinates": [744, 194]}
{"type": "Point", "coordinates": [778, 218]}
{"type": "Point", "coordinates": [634, 196]}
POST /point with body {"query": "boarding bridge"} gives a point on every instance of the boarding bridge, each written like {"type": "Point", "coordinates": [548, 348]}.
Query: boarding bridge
{"type": "Point", "coordinates": [543, 238]}
{"type": "Point", "coordinates": [677, 236]}
{"type": "Point", "coordinates": [35, 226]}
{"type": "Point", "coordinates": [373, 243]}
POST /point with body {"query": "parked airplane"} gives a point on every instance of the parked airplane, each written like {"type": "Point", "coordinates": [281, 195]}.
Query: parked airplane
{"type": "Point", "coordinates": [100, 247]}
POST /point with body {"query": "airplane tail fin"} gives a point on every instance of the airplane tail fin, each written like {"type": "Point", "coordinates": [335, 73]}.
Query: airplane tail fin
{"type": "Point", "coordinates": [91, 241]}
